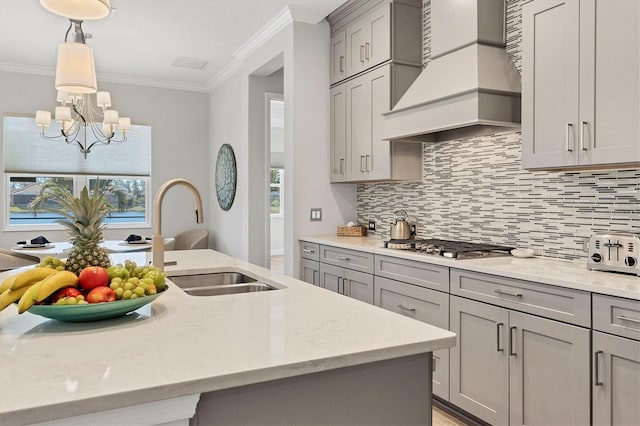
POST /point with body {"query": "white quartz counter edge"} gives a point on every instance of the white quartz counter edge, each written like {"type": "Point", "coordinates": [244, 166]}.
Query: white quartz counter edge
{"type": "Point", "coordinates": [183, 345]}
{"type": "Point", "coordinates": [541, 270]}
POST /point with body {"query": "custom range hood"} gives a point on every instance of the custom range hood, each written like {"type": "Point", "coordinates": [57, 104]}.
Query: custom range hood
{"type": "Point", "coordinates": [470, 87]}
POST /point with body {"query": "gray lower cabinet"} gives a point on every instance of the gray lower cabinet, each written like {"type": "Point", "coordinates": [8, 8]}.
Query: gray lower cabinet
{"type": "Point", "coordinates": [358, 285]}
{"type": "Point", "coordinates": [429, 306]}
{"type": "Point", "coordinates": [616, 380]}
{"type": "Point", "coordinates": [310, 271]}
{"type": "Point", "coordinates": [501, 352]}
{"type": "Point", "coordinates": [310, 262]}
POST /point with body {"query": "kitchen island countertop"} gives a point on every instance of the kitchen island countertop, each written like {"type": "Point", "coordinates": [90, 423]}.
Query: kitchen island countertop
{"type": "Point", "coordinates": [537, 269]}
{"type": "Point", "coordinates": [184, 345]}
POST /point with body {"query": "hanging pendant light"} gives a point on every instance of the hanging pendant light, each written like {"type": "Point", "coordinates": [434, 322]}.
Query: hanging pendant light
{"type": "Point", "coordinates": [75, 70]}
{"type": "Point", "coordinates": [83, 10]}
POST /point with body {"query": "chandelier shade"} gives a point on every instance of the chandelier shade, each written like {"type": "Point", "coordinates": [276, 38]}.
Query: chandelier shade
{"type": "Point", "coordinates": [75, 69]}
{"type": "Point", "coordinates": [83, 10]}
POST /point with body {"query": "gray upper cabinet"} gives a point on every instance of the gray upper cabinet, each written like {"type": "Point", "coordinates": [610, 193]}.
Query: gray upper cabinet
{"type": "Point", "coordinates": [338, 57]}
{"type": "Point", "coordinates": [581, 79]}
{"type": "Point", "coordinates": [338, 130]}
{"type": "Point", "coordinates": [375, 56]}
{"type": "Point", "coordinates": [360, 154]}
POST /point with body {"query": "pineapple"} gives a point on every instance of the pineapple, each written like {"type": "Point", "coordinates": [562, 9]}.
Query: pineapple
{"type": "Point", "coordinates": [83, 220]}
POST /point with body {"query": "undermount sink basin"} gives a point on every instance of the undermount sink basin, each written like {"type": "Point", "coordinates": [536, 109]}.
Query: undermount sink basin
{"type": "Point", "coordinates": [219, 283]}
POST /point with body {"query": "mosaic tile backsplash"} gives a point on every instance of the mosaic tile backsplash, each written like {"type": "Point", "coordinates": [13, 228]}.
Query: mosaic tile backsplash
{"type": "Point", "coordinates": [475, 190]}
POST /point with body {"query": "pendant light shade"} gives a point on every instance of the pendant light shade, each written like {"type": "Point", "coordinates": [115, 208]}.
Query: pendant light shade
{"type": "Point", "coordinates": [75, 70]}
{"type": "Point", "coordinates": [83, 10]}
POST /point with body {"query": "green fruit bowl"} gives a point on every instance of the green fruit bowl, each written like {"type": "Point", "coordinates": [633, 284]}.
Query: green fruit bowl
{"type": "Point", "coordinates": [91, 311]}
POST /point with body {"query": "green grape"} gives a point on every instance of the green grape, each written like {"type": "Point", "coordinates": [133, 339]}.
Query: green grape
{"type": "Point", "coordinates": [129, 286]}
{"type": "Point", "coordinates": [71, 300]}
{"type": "Point", "coordinates": [79, 297]}
{"type": "Point", "coordinates": [139, 291]}
{"type": "Point", "coordinates": [119, 291]}
{"type": "Point", "coordinates": [134, 296]}
{"type": "Point", "coordinates": [59, 268]}
{"type": "Point", "coordinates": [83, 302]}
{"type": "Point", "coordinates": [114, 285]}
{"type": "Point", "coordinates": [127, 294]}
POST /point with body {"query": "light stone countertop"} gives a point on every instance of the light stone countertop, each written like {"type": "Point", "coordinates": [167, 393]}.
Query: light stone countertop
{"type": "Point", "coordinates": [183, 345]}
{"type": "Point", "coordinates": [537, 269]}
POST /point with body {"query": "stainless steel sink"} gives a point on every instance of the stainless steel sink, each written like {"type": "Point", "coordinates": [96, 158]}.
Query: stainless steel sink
{"type": "Point", "coordinates": [218, 283]}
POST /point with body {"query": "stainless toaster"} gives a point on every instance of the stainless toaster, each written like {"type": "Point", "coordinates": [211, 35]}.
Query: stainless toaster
{"type": "Point", "coordinates": [618, 252]}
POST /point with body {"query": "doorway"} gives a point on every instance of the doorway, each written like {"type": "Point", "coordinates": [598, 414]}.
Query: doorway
{"type": "Point", "coordinates": [275, 210]}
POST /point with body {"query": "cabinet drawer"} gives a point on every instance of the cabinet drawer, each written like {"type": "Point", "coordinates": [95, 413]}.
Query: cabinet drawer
{"type": "Point", "coordinates": [616, 316]}
{"type": "Point", "coordinates": [429, 306]}
{"type": "Point", "coordinates": [351, 259]}
{"type": "Point", "coordinates": [309, 251]}
{"type": "Point", "coordinates": [410, 271]}
{"type": "Point", "coordinates": [572, 306]}
{"type": "Point", "coordinates": [310, 271]}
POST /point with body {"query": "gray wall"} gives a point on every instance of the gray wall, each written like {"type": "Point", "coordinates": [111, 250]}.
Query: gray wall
{"type": "Point", "coordinates": [476, 190]}
{"type": "Point", "coordinates": [179, 123]}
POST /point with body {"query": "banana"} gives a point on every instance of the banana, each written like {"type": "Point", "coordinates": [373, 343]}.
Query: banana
{"type": "Point", "coordinates": [6, 284]}
{"type": "Point", "coordinates": [31, 276]}
{"type": "Point", "coordinates": [9, 296]}
{"type": "Point", "coordinates": [26, 301]}
{"type": "Point", "coordinates": [53, 283]}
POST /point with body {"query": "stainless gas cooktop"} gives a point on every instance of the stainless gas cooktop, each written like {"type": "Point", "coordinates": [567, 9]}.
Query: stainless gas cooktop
{"type": "Point", "coordinates": [449, 249]}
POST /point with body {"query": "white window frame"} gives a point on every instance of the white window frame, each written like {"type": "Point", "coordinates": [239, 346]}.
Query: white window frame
{"type": "Point", "coordinates": [79, 182]}
{"type": "Point", "coordinates": [281, 187]}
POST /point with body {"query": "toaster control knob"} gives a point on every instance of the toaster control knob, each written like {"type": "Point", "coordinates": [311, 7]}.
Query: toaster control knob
{"type": "Point", "coordinates": [630, 261]}
{"type": "Point", "coordinates": [596, 257]}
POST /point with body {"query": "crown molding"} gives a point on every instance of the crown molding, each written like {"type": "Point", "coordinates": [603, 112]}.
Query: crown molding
{"type": "Point", "coordinates": [28, 69]}
{"type": "Point", "coordinates": [108, 78]}
{"type": "Point", "coordinates": [273, 27]}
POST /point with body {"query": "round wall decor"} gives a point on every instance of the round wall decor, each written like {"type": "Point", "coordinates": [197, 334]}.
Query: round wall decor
{"type": "Point", "coordinates": [226, 177]}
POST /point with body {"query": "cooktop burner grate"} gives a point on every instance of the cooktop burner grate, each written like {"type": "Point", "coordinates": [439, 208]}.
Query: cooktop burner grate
{"type": "Point", "coordinates": [448, 248]}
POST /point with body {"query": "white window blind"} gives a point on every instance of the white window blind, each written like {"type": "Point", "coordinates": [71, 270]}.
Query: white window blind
{"type": "Point", "coordinates": [25, 151]}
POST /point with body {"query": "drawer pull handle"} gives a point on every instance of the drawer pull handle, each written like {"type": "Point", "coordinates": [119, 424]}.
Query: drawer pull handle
{"type": "Point", "coordinates": [506, 293]}
{"type": "Point", "coordinates": [511, 339]}
{"type": "Point", "coordinates": [404, 308]}
{"type": "Point", "coordinates": [435, 357]}
{"type": "Point", "coordinates": [582, 127]}
{"type": "Point", "coordinates": [623, 318]}
{"type": "Point", "coordinates": [346, 259]}
{"type": "Point", "coordinates": [566, 137]}
{"type": "Point", "coordinates": [597, 369]}
{"type": "Point", "coordinates": [362, 53]}
{"type": "Point", "coordinates": [308, 251]}
{"type": "Point", "coordinates": [498, 327]}
{"type": "Point", "coordinates": [341, 64]}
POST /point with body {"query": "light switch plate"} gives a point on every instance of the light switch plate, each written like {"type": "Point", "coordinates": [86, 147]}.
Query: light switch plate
{"type": "Point", "coordinates": [316, 215]}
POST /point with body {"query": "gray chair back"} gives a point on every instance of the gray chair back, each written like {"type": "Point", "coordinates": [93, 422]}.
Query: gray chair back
{"type": "Point", "coordinates": [192, 239]}
{"type": "Point", "coordinates": [10, 260]}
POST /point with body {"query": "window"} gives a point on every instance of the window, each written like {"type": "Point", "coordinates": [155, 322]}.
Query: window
{"type": "Point", "coordinates": [127, 196]}
{"type": "Point", "coordinates": [30, 161]}
{"type": "Point", "coordinates": [275, 190]}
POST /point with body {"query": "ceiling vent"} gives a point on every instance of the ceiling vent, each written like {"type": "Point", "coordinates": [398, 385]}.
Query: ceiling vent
{"type": "Point", "coordinates": [191, 63]}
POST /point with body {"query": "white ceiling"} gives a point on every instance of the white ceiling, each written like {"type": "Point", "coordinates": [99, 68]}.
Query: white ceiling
{"type": "Point", "coordinates": [140, 40]}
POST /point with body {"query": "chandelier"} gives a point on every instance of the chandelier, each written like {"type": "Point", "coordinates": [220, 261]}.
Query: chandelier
{"type": "Point", "coordinates": [81, 122]}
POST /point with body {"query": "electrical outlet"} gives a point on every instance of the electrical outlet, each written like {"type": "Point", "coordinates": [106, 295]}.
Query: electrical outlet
{"type": "Point", "coordinates": [316, 215]}
{"type": "Point", "coordinates": [372, 225]}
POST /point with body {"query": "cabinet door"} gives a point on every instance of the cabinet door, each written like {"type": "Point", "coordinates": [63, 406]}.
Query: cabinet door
{"type": "Point", "coordinates": [358, 126]}
{"type": "Point", "coordinates": [310, 271]}
{"type": "Point", "coordinates": [550, 61]}
{"type": "Point", "coordinates": [338, 58]}
{"type": "Point", "coordinates": [548, 372]}
{"type": "Point", "coordinates": [616, 380]}
{"type": "Point", "coordinates": [609, 129]}
{"type": "Point", "coordinates": [338, 133]}
{"type": "Point", "coordinates": [358, 285]}
{"type": "Point", "coordinates": [480, 360]}
{"type": "Point", "coordinates": [378, 151]}
{"type": "Point", "coordinates": [331, 277]}
{"type": "Point", "coordinates": [377, 47]}
{"type": "Point", "coordinates": [355, 45]}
